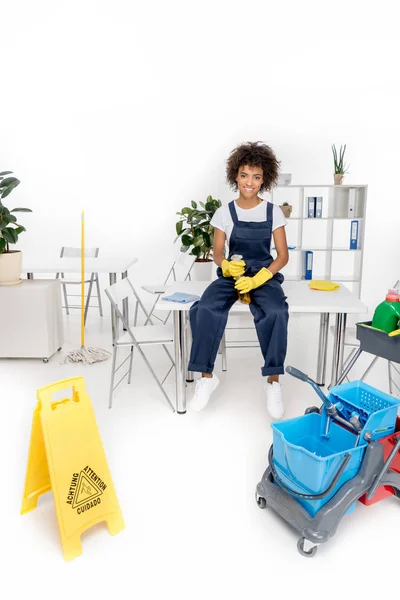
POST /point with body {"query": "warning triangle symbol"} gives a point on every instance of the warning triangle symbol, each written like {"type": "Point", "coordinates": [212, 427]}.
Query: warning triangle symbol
{"type": "Point", "coordinates": [86, 490]}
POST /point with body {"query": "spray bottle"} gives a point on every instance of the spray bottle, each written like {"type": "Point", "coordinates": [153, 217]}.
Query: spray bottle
{"type": "Point", "coordinates": [244, 298]}
{"type": "Point", "coordinates": [387, 313]}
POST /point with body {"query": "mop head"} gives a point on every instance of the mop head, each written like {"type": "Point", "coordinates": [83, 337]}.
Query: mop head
{"type": "Point", "coordinates": [87, 356]}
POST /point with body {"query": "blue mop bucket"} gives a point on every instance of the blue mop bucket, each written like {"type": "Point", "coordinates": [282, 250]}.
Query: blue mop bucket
{"type": "Point", "coordinates": [307, 463]}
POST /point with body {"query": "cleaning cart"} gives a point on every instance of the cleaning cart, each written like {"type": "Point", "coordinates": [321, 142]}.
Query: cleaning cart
{"type": "Point", "coordinates": [322, 463]}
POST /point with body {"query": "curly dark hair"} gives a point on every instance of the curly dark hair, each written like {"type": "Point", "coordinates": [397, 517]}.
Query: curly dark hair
{"type": "Point", "coordinates": [253, 154]}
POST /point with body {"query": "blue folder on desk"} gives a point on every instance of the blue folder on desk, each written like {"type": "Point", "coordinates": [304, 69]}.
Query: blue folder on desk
{"type": "Point", "coordinates": [181, 297]}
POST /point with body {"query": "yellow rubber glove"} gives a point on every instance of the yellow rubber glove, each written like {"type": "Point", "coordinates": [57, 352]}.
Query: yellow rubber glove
{"type": "Point", "coordinates": [246, 284]}
{"type": "Point", "coordinates": [232, 268]}
{"type": "Point", "coordinates": [323, 286]}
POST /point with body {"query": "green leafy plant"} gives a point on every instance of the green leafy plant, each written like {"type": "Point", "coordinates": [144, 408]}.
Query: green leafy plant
{"type": "Point", "coordinates": [340, 167]}
{"type": "Point", "coordinates": [195, 230]}
{"type": "Point", "coordinates": [9, 228]}
{"type": "Point", "coordinates": [285, 204]}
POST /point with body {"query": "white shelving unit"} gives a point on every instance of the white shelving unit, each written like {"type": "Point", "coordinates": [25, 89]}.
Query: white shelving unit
{"type": "Point", "coordinates": [328, 237]}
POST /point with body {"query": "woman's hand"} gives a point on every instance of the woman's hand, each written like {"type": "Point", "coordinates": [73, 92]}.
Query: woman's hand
{"type": "Point", "coordinates": [233, 268]}
{"type": "Point", "coordinates": [230, 268]}
{"type": "Point", "coordinates": [246, 284]}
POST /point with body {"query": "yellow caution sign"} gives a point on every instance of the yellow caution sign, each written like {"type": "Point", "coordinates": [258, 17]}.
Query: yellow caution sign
{"type": "Point", "coordinates": [67, 457]}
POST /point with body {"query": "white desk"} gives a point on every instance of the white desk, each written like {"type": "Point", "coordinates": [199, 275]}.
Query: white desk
{"type": "Point", "coordinates": [300, 300]}
{"type": "Point", "coordinates": [110, 265]}
{"type": "Point", "coordinates": [56, 264]}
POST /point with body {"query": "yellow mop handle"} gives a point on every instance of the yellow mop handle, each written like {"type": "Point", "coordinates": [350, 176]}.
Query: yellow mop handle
{"type": "Point", "coordinates": [83, 281]}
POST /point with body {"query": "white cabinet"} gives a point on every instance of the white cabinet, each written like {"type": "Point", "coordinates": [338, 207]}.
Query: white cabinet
{"type": "Point", "coordinates": [31, 319]}
{"type": "Point", "coordinates": [327, 235]}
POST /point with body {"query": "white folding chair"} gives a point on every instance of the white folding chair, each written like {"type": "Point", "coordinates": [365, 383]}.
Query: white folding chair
{"type": "Point", "coordinates": [351, 340]}
{"type": "Point", "coordinates": [135, 337]}
{"type": "Point", "coordinates": [70, 252]}
{"type": "Point", "coordinates": [245, 323]}
{"type": "Point", "coordinates": [179, 271]}
{"type": "Point", "coordinates": [352, 359]}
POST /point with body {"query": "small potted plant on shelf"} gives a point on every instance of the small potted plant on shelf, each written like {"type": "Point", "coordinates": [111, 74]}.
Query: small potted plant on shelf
{"type": "Point", "coordinates": [286, 208]}
{"type": "Point", "coordinates": [340, 168]}
{"type": "Point", "coordinates": [10, 260]}
{"type": "Point", "coordinates": [195, 230]}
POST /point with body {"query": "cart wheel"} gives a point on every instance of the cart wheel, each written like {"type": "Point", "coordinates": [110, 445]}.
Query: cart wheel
{"type": "Point", "coordinates": [310, 553]}
{"type": "Point", "coordinates": [45, 360]}
{"type": "Point", "coordinates": [262, 503]}
{"type": "Point", "coordinates": [311, 409]}
{"type": "Point", "coordinates": [396, 492]}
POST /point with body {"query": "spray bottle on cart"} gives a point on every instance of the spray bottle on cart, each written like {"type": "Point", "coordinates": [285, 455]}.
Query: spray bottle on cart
{"type": "Point", "coordinates": [244, 298]}
{"type": "Point", "coordinates": [387, 313]}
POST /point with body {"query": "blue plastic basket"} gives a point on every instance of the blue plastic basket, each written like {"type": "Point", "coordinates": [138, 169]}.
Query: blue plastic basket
{"type": "Point", "coordinates": [377, 410]}
{"type": "Point", "coordinates": [307, 463]}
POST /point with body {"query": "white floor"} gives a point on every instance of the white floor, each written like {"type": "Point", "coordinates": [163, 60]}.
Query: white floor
{"type": "Point", "coordinates": [186, 488]}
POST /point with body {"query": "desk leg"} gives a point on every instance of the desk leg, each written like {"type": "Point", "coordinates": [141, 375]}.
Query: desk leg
{"type": "Point", "coordinates": [338, 347]}
{"type": "Point", "coordinates": [180, 368]}
{"type": "Point", "coordinates": [322, 348]}
{"type": "Point", "coordinates": [113, 279]}
{"type": "Point", "coordinates": [29, 275]}
{"type": "Point", "coordinates": [188, 344]}
{"type": "Point", "coordinates": [125, 303]}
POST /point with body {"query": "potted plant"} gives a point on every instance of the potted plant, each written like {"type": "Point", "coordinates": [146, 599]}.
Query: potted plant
{"type": "Point", "coordinates": [286, 208]}
{"type": "Point", "coordinates": [195, 230]}
{"type": "Point", "coordinates": [10, 260]}
{"type": "Point", "coordinates": [339, 166]}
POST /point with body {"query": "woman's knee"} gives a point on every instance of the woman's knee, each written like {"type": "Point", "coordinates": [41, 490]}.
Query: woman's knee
{"type": "Point", "coordinates": [208, 311]}
{"type": "Point", "coordinates": [275, 312]}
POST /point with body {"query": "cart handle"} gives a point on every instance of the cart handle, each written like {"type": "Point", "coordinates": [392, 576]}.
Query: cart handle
{"type": "Point", "coordinates": [331, 408]}
{"type": "Point", "coordinates": [306, 496]}
{"type": "Point", "coordinates": [303, 377]}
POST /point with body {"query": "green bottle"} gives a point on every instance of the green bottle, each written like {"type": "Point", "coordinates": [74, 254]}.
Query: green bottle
{"type": "Point", "coordinates": [387, 313]}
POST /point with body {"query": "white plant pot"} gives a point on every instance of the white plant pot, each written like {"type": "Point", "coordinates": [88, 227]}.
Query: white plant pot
{"type": "Point", "coordinates": [203, 271]}
{"type": "Point", "coordinates": [10, 267]}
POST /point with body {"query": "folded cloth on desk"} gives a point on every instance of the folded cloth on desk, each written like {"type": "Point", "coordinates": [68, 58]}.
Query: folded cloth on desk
{"type": "Point", "coordinates": [181, 297]}
{"type": "Point", "coordinates": [324, 286]}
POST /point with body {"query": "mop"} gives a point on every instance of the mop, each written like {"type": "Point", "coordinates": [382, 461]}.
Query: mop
{"type": "Point", "coordinates": [87, 356]}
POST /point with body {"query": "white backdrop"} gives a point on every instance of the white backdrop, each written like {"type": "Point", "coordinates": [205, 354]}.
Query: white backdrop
{"type": "Point", "coordinates": [130, 112]}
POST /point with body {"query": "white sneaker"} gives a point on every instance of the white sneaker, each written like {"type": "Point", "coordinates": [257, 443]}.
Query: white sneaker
{"type": "Point", "coordinates": [275, 405]}
{"type": "Point", "coordinates": [204, 388]}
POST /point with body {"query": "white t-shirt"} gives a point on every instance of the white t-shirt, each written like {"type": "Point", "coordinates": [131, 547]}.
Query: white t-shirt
{"type": "Point", "coordinates": [222, 217]}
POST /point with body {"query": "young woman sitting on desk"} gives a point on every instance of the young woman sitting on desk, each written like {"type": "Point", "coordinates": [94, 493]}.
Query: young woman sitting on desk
{"type": "Point", "coordinates": [247, 225]}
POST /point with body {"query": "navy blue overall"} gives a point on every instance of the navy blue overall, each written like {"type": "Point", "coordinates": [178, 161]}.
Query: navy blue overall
{"type": "Point", "coordinates": [208, 316]}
